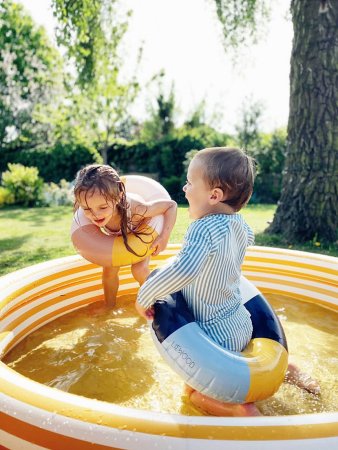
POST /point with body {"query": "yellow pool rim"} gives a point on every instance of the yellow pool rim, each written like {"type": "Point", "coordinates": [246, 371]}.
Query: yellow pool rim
{"type": "Point", "coordinates": [35, 416]}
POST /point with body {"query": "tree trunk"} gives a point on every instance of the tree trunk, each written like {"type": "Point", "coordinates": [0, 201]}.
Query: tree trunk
{"type": "Point", "coordinates": [104, 153]}
{"type": "Point", "coordinates": [308, 205]}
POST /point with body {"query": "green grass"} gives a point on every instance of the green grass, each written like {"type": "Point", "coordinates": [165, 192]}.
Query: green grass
{"type": "Point", "coordinates": [32, 235]}
{"type": "Point", "coordinates": [257, 216]}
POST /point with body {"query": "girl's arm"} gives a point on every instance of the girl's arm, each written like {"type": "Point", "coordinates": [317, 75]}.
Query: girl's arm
{"type": "Point", "coordinates": [167, 208]}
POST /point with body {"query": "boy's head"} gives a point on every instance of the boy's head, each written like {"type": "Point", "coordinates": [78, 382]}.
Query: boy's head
{"type": "Point", "coordinates": [229, 169]}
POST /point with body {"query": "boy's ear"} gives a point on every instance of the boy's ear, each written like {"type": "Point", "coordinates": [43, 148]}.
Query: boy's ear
{"type": "Point", "coordinates": [216, 196]}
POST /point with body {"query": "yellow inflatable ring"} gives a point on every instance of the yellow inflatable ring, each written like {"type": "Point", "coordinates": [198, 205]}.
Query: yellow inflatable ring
{"type": "Point", "coordinates": [34, 416]}
{"type": "Point", "coordinates": [93, 245]}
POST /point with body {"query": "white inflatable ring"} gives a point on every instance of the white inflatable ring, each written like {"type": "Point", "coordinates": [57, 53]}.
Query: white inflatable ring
{"type": "Point", "coordinates": [252, 375]}
{"type": "Point", "coordinates": [35, 417]}
{"type": "Point", "coordinates": [107, 251]}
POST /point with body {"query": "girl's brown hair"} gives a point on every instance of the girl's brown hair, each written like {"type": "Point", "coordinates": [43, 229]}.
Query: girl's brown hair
{"type": "Point", "coordinates": [107, 182]}
{"type": "Point", "coordinates": [231, 170]}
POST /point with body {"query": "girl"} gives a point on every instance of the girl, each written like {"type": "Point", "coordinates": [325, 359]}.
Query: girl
{"type": "Point", "coordinates": [101, 194]}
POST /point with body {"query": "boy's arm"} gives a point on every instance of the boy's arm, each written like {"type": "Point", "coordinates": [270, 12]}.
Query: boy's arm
{"type": "Point", "coordinates": [178, 274]}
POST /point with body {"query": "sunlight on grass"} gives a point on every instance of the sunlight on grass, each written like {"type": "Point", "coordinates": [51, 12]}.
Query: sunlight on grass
{"type": "Point", "coordinates": [33, 235]}
{"type": "Point", "coordinates": [257, 216]}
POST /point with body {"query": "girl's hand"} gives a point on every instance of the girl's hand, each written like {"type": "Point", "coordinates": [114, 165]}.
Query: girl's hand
{"type": "Point", "coordinates": [148, 314]}
{"type": "Point", "coordinates": [159, 244]}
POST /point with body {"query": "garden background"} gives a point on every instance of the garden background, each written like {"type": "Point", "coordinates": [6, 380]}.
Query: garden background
{"type": "Point", "coordinates": [69, 105]}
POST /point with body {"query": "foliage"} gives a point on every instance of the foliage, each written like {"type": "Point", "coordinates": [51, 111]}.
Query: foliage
{"type": "Point", "coordinates": [307, 207]}
{"type": "Point", "coordinates": [269, 156]}
{"type": "Point", "coordinates": [239, 20]}
{"type": "Point", "coordinates": [166, 157]}
{"type": "Point", "coordinates": [62, 160]}
{"type": "Point", "coordinates": [23, 183]}
{"type": "Point", "coordinates": [197, 117]}
{"type": "Point", "coordinates": [104, 109]}
{"type": "Point", "coordinates": [30, 79]}
{"type": "Point", "coordinates": [6, 197]}
{"type": "Point", "coordinates": [247, 129]}
{"type": "Point", "coordinates": [174, 185]}
{"type": "Point", "coordinates": [57, 194]}
{"type": "Point", "coordinates": [92, 33]}
{"type": "Point", "coordinates": [88, 29]}
{"type": "Point", "coordinates": [161, 123]}
{"type": "Point", "coordinates": [188, 157]}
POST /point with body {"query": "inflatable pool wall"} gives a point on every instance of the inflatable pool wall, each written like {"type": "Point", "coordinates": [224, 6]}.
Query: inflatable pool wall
{"type": "Point", "coordinates": [34, 416]}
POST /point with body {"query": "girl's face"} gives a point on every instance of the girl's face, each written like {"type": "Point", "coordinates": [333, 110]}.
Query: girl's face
{"type": "Point", "coordinates": [97, 208]}
{"type": "Point", "coordinates": [197, 192]}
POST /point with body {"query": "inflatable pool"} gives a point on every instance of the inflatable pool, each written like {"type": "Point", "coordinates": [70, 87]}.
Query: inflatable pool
{"type": "Point", "coordinates": [34, 416]}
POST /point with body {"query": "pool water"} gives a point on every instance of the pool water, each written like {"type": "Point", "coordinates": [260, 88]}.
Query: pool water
{"type": "Point", "coordinates": [108, 354]}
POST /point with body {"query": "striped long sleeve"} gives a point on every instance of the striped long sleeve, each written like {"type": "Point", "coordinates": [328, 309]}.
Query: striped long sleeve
{"type": "Point", "coordinates": [181, 271]}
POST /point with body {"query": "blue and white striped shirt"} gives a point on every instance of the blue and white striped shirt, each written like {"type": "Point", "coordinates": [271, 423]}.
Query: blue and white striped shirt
{"type": "Point", "coordinates": [207, 270]}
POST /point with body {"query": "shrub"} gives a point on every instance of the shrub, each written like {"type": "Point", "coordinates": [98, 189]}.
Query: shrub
{"type": "Point", "coordinates": [54, 194]}
{"type": "Point", "coordinates": [67, 159]}
{"type": "Point", "coordinates": [6, 197]}
{"type": "Point", "coordinates": [174, 186]}
{"type": "Point", "coordinates": [56, 163]}
{"type": "Point", "coordinates": [270, 157]}
{"type": "Point", "coordinates": [23, 183]}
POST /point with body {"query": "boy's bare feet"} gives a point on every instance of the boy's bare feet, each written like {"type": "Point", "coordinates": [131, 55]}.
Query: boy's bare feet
{"type": "Point", "coordinates": [300, 379]}
{"type": "Point", "coordinates": [217, 408]}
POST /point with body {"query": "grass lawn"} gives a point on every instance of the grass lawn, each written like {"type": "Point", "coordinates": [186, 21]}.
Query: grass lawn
{"type": "Point", "coordinates": [32, 235]}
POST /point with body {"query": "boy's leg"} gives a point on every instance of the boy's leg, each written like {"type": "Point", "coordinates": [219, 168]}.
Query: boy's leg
{"type": "Point", "coordinates": [141, 271]}
{"type": "Point", "coordinates": [295, 376]}
{"type": "Point", "coordinates": [110, 281]}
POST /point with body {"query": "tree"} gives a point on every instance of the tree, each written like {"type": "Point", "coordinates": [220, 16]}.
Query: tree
{"type": "Point", "coordinates": [308, 205]}
{"type": "Point", "coordinates": [84, 29]}
{"type": "Point", "coordinates": [248, 129]}
{"type": "Point", "coordinates": [161, 123]}
{"type": "Point", "coordinates": [92, 32]}
{"type": "Point", "coordinates": [308, 208]}
{"type": "Point", "coordinates": [104, 106]}
{"type": "Point", "coordinates": [30, 79]}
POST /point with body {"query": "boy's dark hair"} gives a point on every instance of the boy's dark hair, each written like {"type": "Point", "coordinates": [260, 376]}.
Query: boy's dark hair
{"type": "Point", "coordinates": [231, 170]}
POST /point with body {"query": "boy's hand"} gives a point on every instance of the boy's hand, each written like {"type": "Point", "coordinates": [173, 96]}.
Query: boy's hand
{"type": "Point", "coordinates": [148, 314]}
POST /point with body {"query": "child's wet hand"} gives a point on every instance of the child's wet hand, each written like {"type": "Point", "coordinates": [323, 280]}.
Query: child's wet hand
{"type": "Point", "coordinates": [158, 245]}
{"type": "Point", "coordinates": [147, 313]}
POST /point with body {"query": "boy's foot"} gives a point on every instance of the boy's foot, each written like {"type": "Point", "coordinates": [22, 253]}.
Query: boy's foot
{"type": "Point", "coordinates": [222, 409]}
{"type": "Point", "coordinates": [188, 390]}
{"type": "Point", "coordinates": [302, 380]}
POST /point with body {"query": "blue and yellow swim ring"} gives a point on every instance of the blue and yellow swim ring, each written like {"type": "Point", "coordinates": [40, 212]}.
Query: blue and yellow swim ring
{"type": "Point", "coordinates": [252, 375]}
